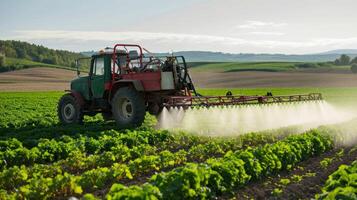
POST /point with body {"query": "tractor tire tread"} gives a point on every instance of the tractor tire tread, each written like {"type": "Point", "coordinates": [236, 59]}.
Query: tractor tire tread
{"type": "Point", "coordinates": [79, 115]}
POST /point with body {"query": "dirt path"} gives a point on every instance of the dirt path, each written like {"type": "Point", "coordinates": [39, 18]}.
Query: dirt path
{"type": "Point", "coordinates": [312, 174]}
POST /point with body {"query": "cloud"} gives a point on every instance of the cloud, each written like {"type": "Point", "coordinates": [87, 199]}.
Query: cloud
{"type": "Point", "coordinates": [163, 41]}
{"type": "Point", "coordinates": [266, 33]}
{"type": "Point", "coordinates": [251, 24]}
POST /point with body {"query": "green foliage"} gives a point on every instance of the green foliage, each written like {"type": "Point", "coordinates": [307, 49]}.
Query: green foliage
{"type": "Point", "coordinates": [238, 66]}
{"type": "Point", "coordinates": [89, 197]}
{"type": "Point", "coordinates": [284, 181]}
{"type": "Point", "coordinates": [311, 65]}
{"type": "Point", "coordinates": [354, 67]}
{"type": "Point", "coordinates": [40, 159]}
{"type": "Point", "coordinates": [296, 178]}
{"type": "Point", "coordinates": [343, 60]}
{"type": "Point", "coordinates": [326, 162]}
{"type": "Point", "coordinates": [354, 60]}
{"type": "Point", "coordinates": [121, 192]}
{"type": "Point", "coordinates": [306, 65]}
{"type": "Point", "coordinates": [36, 53]}
{"type": "Point", "coordinates": [202, 181]}
{"type": "Point", "coordinates": [2, 60]}
{"type": "Point", "coordinates": [342, 184]}
{"type": "Point", "coordinates": [276, 192]}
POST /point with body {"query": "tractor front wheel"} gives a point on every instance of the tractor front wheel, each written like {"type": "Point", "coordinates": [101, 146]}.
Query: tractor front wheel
{"type": "Point", "coordinates": [128, 108]}
{"type": "Point", "coordinates": [69, 110]}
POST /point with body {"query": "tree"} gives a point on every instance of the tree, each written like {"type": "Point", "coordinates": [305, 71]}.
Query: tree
{"type": "Point", "coordinates": [354, 68]}
{"type": "Point", "coordinates": [10, 52]}
{"type": "Point", "coordinates": [354, 60]}
{"type": "Point", "coordinates": [337, 61]}
{"type": "Point", "coordinates": [344, 59]}
{"type": "Point", "coordinates": [38, 53]}
{"type": "Point", "coordinates": [21, 53]}
{"type": "Point", "coordinates": [2, 60]}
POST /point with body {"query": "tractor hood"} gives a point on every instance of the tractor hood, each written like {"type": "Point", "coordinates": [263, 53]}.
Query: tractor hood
{"type": "Point", "coordinates": [80, 85]}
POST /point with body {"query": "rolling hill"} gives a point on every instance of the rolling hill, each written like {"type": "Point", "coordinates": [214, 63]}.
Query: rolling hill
{"type": "Point", "coordinates": [207, 56]}
{"type": "Point", "coordinates": [21, 55]}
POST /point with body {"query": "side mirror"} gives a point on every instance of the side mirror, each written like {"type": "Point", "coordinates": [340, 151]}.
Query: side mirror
{"type": "Point", "coordinates": [77, 66]}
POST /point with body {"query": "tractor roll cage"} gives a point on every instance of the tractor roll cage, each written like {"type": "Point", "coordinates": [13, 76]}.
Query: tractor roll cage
{"type": "Point", "coordinates": [114, 56]}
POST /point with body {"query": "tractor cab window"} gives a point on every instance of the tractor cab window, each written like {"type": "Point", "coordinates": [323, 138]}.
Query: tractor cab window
{"type": "Point", "coordinates": [98, 67]}
{"type": "Point", "coordinates": [119, 65]}
{"type": "Point", "coordinates": [126, 62]}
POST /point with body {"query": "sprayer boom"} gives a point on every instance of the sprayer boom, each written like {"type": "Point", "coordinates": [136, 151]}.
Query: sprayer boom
{"type": "Point", "coordinates": [207, 101]}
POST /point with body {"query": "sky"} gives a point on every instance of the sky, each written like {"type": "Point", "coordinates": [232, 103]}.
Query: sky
{"type": "Point", "coordinates": [232, 26]}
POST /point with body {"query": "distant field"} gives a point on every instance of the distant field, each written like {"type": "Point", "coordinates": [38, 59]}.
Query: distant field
{"type": "Point", "coordinates": [17, 64]}
{"type": "Point", "coordinates": [36, 79]}
{"type": "Point", "coordinates": [236, 66]}
{"type": "Point", "coordinates": [223, 75]}
{"type": "Point", "coordinates": [263, 67]}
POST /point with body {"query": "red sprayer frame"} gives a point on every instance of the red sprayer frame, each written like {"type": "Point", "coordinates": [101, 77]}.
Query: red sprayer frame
{"type": "Point", "coordinates": [206, 101]}
{"type": "Point", "coordinates": [114, 56]}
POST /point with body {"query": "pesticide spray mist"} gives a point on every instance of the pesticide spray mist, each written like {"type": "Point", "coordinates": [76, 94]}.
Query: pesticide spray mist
{"type": "Point", "coordinates": [235, 120]}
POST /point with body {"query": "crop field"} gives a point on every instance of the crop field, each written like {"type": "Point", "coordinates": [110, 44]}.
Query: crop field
{"type": "Point", "coordinates": [40, 159]}
{"type": "Point", "coordinates": [264, 67]}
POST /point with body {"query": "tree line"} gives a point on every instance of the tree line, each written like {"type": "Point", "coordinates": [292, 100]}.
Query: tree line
{"type": "Point", "coordinates": [37, 53]}
{"type": "Point", "coordinates": [346, 60]}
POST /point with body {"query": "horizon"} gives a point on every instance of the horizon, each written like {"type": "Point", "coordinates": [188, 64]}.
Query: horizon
{"type": "Point", "coordinates": [345, 51]}
{"type": "Point", "coordinates": [187, 25]}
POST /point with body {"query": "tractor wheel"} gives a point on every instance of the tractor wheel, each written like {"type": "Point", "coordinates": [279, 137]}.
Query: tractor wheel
{"type": "Point", "coordinates": [69, 110]}
{"type": "Point", "coordinates": [128, 108]}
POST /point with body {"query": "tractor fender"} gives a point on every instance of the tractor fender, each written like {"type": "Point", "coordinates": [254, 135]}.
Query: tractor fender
{"type": "Point", "coordinates": [77, 95]}
{"type": "Point", "coordinates": [136, 83]}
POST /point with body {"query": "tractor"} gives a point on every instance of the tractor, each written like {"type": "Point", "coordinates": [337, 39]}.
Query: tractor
{"type": "Point", "coordinates": [124, 83]}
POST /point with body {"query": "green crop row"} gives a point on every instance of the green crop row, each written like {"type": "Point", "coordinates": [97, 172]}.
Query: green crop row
{"type": "Point", "coordinates": [13, 153]}
{"type": "Point", "coordinates": [27, 109]}
{"type": "Point", "coordinates": [114, 145]}
{"type": "Point", "coordinates": [64, 184]}
{"type": "Point", "coordinates": [217, 176]}
{"type": "Point", "coordinates": [143, 160]}
{"type": "Point", "coordinates": [342, 184]}
{"type": "Point", "coordinates": [16, 177]}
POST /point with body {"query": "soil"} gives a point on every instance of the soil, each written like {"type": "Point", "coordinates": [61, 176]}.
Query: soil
{"type": "Point", "coordinates": [51, 79]}
{"type": "Point", "coordinates": [273, 79]}
{"type": "Point", "coordinates": [307, 188]}
{"type": "Point", "coordinates": [36, 79]}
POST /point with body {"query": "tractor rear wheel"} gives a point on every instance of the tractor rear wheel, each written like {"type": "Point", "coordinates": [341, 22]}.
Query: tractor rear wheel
{"type": "Point", "coordinates": [69, 110]}
{"type": "Point", "coordinates": [128, 108]}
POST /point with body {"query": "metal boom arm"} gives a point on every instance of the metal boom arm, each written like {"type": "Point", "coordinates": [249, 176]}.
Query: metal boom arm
{"type": "Point", "coordinates": [196, 101]}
